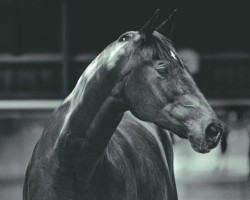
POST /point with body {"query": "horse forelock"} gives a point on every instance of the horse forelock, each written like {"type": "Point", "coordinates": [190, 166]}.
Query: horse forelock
{"type": "Point", "coordinates": [163, 48]}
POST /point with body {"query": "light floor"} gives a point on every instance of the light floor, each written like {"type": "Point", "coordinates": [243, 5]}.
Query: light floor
{"type": "Point", "coordinates": [214, 176]}
{"type": "Point", "coordinates": [199, 176]}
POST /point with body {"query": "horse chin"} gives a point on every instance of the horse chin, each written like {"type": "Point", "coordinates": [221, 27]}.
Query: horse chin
{"type": "Point", "coordinates": [203, 146]}
{"type": "Point", "coordinates": [177, 130]}
{"type": "Point", "coordinates": [200, 149]}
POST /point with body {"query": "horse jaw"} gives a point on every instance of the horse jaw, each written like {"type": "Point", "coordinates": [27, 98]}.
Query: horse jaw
{"type": "Point", "coordinates": [190, 122]}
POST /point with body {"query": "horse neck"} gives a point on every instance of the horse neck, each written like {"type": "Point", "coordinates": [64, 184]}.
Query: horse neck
{"type": "Point", "coordinates": [92, 116]}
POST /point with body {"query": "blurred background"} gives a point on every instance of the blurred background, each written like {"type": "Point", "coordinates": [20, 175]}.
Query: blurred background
{"type": "Point", "coordinates": [46, 45]}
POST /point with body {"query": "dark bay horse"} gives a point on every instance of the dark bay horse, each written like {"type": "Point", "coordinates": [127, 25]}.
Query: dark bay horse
{"type": "Point", "coordinates": [108, 138]}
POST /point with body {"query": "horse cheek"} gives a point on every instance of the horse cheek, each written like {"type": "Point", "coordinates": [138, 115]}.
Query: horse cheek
{"type": "Point", "coordinates": [139, 98]}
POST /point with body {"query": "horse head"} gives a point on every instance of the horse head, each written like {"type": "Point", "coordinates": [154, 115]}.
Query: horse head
{"type": "Point", "coordinates": [158, 87]}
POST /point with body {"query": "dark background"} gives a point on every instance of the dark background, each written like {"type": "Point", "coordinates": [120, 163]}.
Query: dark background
{"type": "Point", "coordinates": [206, 26]}
{"type": "Point", "coordinates": [46, 45]}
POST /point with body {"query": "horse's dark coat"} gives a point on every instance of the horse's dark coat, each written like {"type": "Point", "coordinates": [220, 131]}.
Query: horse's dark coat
{"type": "Point", "coordinates": [131, 167]}
{"type": "Point", "coordinates": [91, 150]}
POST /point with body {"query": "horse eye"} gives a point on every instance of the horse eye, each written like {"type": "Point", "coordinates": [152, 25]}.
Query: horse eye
{"type": "Point", "coordinates": [162, 67]}
{"type": "Point", "coordinates": [163, 71]}
{"type": "Point", "coordinates": [124, 38]}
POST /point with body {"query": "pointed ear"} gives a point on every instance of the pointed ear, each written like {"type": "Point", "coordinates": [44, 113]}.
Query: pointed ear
{"type": "Point", "coordinates": [166, 28]}
{"type": "Point", "coordinates": [151, 24]}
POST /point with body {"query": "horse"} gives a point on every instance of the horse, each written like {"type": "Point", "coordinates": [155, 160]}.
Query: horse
{"type": "Point", "coordinates": [109, 138]}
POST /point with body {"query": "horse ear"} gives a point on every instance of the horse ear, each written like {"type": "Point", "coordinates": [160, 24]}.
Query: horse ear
{"type": "Point", "coordinates": [166, 28]}
{"type": "Point", "coordinates": [150, 25]}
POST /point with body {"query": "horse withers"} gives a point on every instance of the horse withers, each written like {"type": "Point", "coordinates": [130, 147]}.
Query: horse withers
{"type": "Point", "coordinates": [109, 138]}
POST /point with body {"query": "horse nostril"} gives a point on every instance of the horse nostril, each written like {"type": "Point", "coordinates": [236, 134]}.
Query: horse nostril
{"type": "Point", "coordinates": [212, 130]}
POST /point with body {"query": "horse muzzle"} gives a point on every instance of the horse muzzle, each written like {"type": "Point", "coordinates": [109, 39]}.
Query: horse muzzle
{"type": "Point", "coordinates": [212, 134]}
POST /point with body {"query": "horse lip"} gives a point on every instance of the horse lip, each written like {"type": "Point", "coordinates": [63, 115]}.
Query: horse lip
{"type": "Point", "coordinates": [199, 148]}
{"type": "Point", "coordinates": [204, 151]}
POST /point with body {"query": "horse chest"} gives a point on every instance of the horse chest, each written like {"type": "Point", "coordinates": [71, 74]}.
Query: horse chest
{"type": "Point", "coordinates": [133, 167]}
